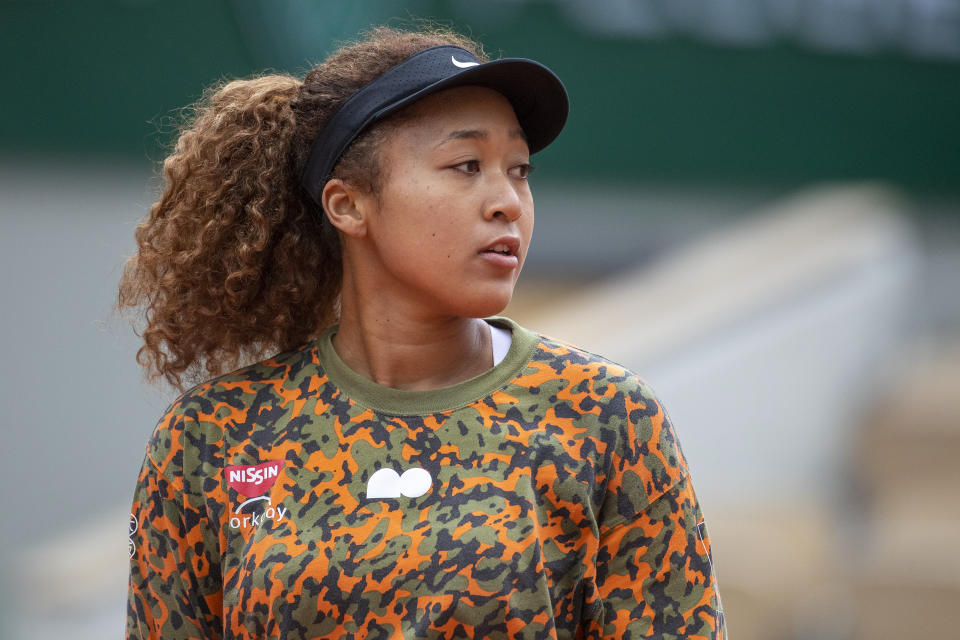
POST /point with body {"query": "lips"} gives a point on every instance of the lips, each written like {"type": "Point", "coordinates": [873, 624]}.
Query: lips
{"type": "Point", "coordinates": [502, 254]}
{"type": "Point", "coordinates": [505, 246]}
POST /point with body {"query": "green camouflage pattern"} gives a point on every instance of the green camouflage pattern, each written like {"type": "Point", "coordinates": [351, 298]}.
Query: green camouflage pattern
{"type": "Point", "coordinates": [554, 504]}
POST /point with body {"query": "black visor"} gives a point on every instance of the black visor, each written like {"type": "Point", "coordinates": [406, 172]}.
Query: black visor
{"type": "Point", "coordinates": [537, 95]}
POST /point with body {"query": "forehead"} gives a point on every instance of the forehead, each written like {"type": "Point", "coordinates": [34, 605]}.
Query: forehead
{"type": "Point", "coordinates": [462, 107]}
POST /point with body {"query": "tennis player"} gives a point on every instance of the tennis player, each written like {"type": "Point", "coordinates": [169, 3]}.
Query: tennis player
{"type": "Point", "coordinates": [408, 464]}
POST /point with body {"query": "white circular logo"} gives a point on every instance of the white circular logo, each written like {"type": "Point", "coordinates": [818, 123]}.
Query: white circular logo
{"type": "Point", "coordinates": [385, 483]}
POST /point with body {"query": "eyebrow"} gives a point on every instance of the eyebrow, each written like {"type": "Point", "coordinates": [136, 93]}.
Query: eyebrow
{"type": "Point", "coordinates": [478, 134]}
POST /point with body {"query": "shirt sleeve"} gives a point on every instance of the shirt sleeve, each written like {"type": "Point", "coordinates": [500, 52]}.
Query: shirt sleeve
{"type": "Point", "coordinates": [174, 591]}
{"type": "Point", "coordinates": [654, 570]}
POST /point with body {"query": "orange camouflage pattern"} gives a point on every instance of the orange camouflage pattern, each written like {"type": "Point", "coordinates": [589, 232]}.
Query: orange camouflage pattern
{"type": "Point", "coordinates": [560, 507]}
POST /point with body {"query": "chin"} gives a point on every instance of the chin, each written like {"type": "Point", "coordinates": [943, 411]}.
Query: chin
{"type": "Point", "coordinates": [484, 306]}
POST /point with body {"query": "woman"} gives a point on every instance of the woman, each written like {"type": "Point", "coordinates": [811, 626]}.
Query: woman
{"type": "Point", "coordinates": [408, 465]}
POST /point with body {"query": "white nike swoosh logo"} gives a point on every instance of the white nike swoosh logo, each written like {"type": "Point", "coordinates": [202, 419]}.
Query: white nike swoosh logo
{"type": "Point", "coordinates": [463, 65]}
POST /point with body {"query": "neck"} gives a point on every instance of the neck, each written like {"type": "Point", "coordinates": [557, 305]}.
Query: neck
{"type": "Point", "coordinates": [401, 345]}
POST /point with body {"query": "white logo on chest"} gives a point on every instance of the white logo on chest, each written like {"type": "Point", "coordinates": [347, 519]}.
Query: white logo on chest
{"type": "Point", "coordinates": [385, 483]}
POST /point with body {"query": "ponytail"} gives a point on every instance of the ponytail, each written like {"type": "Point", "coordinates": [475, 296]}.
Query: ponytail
{"type": "Point", "coordinates": [232, 260]}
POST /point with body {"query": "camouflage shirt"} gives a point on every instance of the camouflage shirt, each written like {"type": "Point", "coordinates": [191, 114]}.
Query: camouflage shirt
{"type": "Point", "coordinates": [546, 498]}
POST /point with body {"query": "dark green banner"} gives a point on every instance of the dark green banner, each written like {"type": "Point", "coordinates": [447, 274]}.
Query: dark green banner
{"type": "Point", "coordinates": [670, 104]}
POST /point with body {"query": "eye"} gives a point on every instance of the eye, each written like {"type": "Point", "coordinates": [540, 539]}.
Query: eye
{"type": "Point", "coordinates": [468, 167]}
{"type": "Point", "coordinates": [521, 171]}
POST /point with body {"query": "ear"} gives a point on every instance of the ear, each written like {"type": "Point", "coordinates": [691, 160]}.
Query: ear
{"type": "Point", "coordinates": [346, 207]}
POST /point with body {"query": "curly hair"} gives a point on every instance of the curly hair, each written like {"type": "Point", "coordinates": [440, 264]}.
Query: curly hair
{"type": "Point", "coordinates": [234, 261]}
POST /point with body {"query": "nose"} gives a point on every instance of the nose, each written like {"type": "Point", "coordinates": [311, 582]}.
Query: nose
{"type": "Point", "coordinates": [505, 199]}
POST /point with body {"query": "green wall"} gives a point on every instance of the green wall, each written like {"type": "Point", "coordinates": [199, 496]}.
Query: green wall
{"type": "Point", "coordinates": [107, 77]}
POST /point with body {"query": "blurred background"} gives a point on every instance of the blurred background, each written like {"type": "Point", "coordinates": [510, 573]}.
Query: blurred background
{"type": "Point", "coordinates": [755, 205]}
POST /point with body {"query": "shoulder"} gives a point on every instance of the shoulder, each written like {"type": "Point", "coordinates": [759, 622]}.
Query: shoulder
{"type": "Point", "coordinates": [590, 383]}
{"type": "Point", "coordinates": [643, 455]}
{"type": "Point", "coordinates": [588, 371]}
{"type": "Point", "coordinates": [197, 423]}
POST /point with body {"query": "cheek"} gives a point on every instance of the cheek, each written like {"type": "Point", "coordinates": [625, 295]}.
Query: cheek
{"type": "Point", "coordinates": [417, 232]}
{"type": "Point", "coordinates": [442, 242]}
{"type": "Point", "coordinates": [526, 226]}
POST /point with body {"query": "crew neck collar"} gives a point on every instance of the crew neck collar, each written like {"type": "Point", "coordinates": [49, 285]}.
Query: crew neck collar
{"type": "Point", "coordinates": [403, 402]}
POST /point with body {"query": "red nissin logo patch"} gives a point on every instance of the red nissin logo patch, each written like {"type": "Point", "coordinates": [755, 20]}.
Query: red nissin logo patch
{"type": "Point", "coordinates": [253, 479]}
